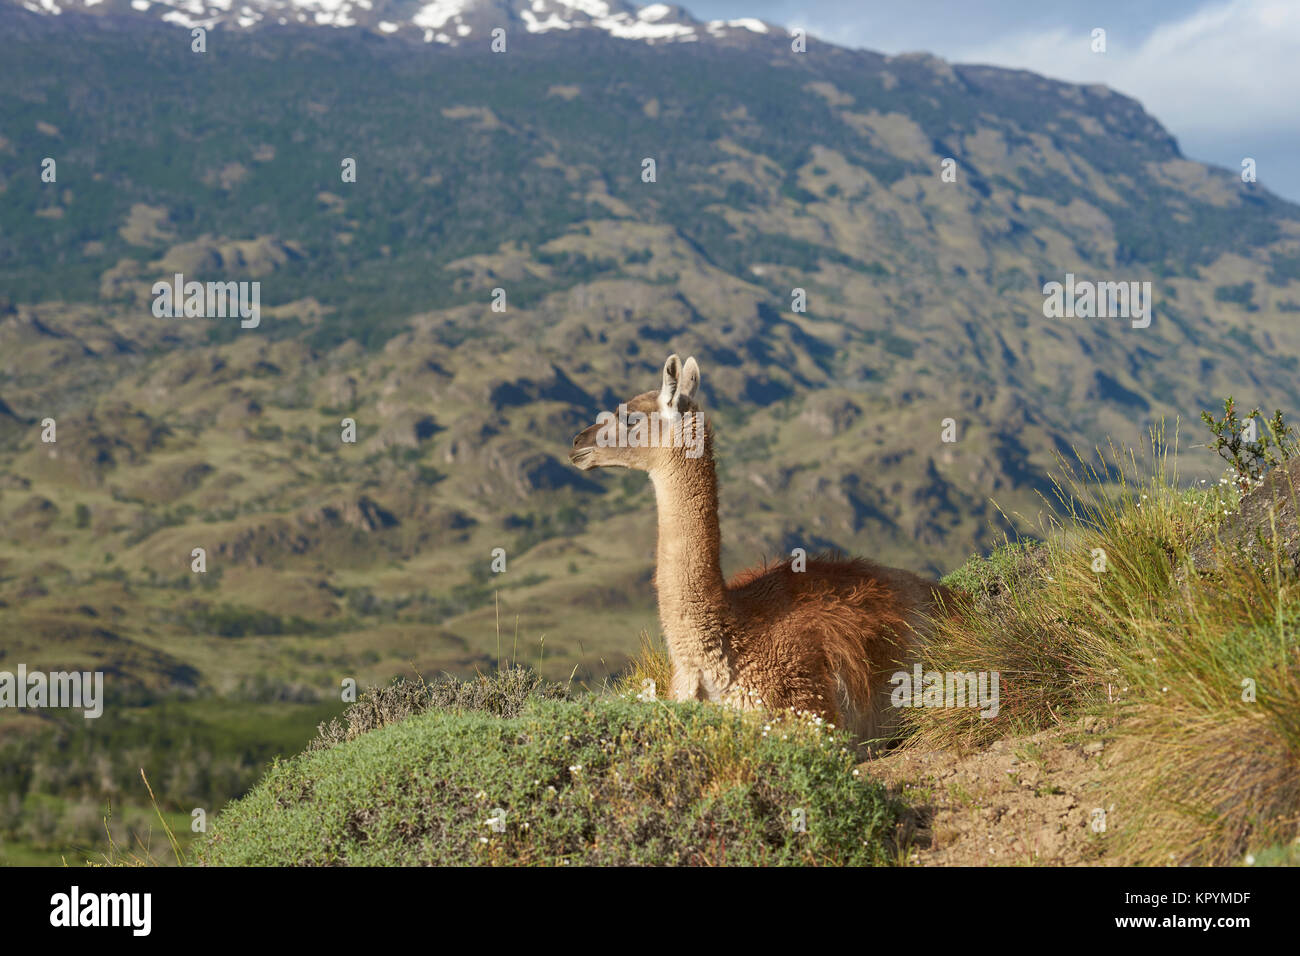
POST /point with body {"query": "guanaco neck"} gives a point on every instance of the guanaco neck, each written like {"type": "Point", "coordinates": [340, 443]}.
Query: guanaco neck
{"type": "Point", "coordinates": [688, 574]}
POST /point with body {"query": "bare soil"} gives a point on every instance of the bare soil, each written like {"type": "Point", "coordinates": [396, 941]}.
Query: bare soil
{"type": "Point", "coordinates": [1020, 801]}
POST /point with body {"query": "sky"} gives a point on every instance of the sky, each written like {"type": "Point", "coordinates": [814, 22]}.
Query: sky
{"type": "Point", "coordinates": [1223, 76]}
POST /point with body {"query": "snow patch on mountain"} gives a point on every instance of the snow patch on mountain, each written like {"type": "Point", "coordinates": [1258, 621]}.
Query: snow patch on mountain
{"type": "Point", "coordinates": [433, 21]}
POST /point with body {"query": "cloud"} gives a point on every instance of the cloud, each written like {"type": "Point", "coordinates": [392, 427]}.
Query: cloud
{"type": "Point", "coordinates": [1230, 68]}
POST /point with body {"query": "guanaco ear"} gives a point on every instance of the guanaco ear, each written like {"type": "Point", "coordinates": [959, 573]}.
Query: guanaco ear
{"type": "Point", "coordinates": [668, 393]}
{"type": "Point", "coordinates": [688, 383]}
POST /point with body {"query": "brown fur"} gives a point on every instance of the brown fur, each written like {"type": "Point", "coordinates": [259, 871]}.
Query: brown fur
{"type": "Point", "coordinates": [823, 640]}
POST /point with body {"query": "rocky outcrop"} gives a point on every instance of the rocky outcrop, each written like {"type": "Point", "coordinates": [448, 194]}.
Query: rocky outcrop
{"type": "Point", "coordinates": [1266, 515]}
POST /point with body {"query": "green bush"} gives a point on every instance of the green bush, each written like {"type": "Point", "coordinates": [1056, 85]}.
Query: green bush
{"type": "Point", "coordinates": [1007, 567]}
{"type": "Point", "coordinates": [1251, 449]}
{"type": "Point", "coordinates": [1243, 295]}
{"type": "Point", "coordinates": [230, 620]}
{"type": "Point", "coordinates": [596, 781]}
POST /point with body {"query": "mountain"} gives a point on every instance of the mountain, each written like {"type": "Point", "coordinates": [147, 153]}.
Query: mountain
{"type": "Point", "coordinates": [448, 22]}
{"type": "Point", "coordinates": [526, 172]}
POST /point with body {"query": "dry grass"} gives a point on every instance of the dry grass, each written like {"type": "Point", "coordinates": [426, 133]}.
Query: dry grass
{"type": "Point", "coordinates": [1203, 669]}
{"type": "Point", "coordinates": [649, 669]}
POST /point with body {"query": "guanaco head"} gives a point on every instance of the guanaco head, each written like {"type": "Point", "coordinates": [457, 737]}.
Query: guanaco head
{"type": "Point", "coordinates": [648, 431]}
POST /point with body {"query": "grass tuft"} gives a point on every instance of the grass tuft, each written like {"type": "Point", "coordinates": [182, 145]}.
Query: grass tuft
{"type": "Point", "coordinates": [1111, 616]}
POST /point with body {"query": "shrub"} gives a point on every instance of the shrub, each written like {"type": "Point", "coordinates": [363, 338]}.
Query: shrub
{"type": "Point", "coordinates": [1249, 450]}
{"type": "Point", "coordinates": [1243, 295]}
{"type": "Point", "coordinates": [229, 620]}
{"type": "Point", "coordinates": [1004, 570]}
{"type": "Point", "coordinates": [598, 781]}
{"type": "Point", "coordinates": [501, 694]}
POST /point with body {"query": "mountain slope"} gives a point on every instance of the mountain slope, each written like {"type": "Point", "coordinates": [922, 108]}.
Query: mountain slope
{"type": "Point", "coordinates": [522, 171]}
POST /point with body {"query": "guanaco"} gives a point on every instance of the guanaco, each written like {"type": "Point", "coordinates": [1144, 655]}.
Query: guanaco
{"type": "Point", "coordinates": [820, 637]}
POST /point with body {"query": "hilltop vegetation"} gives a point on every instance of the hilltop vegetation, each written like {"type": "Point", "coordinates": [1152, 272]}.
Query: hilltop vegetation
{"type": "Point", "coordinates": [1147, 716]}
{"type": "Point", "coordinates": [1157, 630]}
{"type": "Point", "coordinates": [596, 781]}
